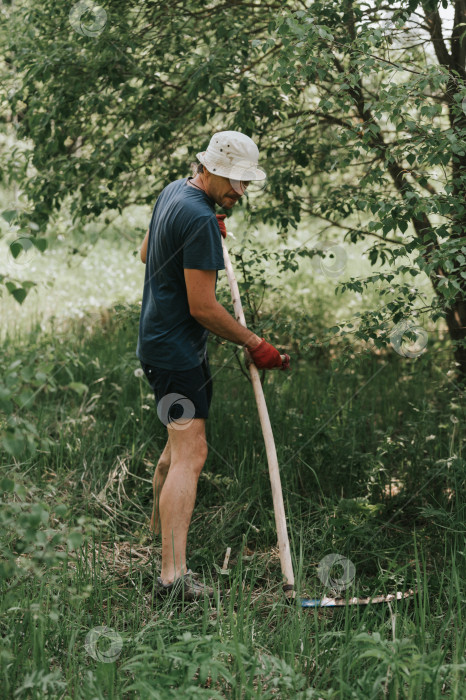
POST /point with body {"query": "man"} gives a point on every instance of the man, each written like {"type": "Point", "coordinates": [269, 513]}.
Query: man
{"type": "Point", "coordinates": [183, 251]}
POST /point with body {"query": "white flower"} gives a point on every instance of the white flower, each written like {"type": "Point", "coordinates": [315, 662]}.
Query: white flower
{"type": "Point", "coordinates": [138, 372]}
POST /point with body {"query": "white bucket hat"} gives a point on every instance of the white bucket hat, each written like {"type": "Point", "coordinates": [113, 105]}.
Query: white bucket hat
{"type": "Point", "coordinates": [234, 155]}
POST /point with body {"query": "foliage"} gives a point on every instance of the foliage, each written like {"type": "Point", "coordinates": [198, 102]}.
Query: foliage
{"type": "Point", "coordinates": [29, 543]}
{"type": "Point", "coordinates": [359, 126]}
{"type": "Point", "coordinates": [169, 670]}
{"type": "Point", "coordinates": [346, 436]}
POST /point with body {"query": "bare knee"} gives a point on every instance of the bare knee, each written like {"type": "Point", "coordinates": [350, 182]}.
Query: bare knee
{"type": "Point", "coordinates": [189, 447]}
{"type": "Point", "coordinates": [192, 464]}
{"type": "Point", "coordinates": [199, 459]}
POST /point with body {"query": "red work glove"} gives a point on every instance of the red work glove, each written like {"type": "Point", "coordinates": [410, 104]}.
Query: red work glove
{"type": "Point", "coordinates": [265, 356]}
{"type": "Point", "coordinates": [221, 224]}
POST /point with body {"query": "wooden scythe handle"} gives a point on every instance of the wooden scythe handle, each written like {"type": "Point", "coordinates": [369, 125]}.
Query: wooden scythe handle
{"type": "Point", "coordinates": [279, 508]}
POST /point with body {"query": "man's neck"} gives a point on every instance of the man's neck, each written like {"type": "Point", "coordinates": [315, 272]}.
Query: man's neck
{"type": "Point", "coordinates": [196, 182]}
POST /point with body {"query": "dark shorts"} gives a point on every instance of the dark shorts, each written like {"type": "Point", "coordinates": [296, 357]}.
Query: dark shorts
{"type": "Point", "coordinates": [180, 393]}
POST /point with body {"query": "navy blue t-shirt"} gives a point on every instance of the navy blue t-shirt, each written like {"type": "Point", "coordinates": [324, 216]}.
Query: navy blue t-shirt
{"type": "Point", "coordinates": [183, 233]}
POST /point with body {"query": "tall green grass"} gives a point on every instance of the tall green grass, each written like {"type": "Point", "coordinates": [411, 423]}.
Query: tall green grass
{"type": "Point", "coordinates": [370, 450]}
{"type": "Point", "coordinates": [370, 447]}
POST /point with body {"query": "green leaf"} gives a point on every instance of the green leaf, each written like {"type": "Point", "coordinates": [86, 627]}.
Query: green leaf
{"type": "Point", "coordinates": [78, 388]}
{"type": "Point", "coordinates": [7, 485]}
{"type": "Point", "coordinates": [218, 87]}
{"type": "Point", "coordinates": [19, 294]}
{"type": "Point", "coordinates": [9, 215]}
{"type": "Point", "coordinates": [15, 248]}
{"type": "Point", "coordinates": [403, 225]}
{"type": "Point", "coordinates": [14, 446]}
{"type": "Point", "coordinates": [27, 284]}
{"type": "Point", "coordinates": [40, 243]}
{"type": "Point", "coordinates": [74, 540]}
{"type": "Point", "coordinates": [24, 398]}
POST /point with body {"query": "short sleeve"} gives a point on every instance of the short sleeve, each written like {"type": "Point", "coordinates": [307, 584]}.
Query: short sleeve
{"type": "Point", "coordinates": [202, 246]}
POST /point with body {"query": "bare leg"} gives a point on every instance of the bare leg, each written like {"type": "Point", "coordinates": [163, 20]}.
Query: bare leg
{"type": "Point", "coordinates": [188, 456]}
{"type": "Point", "coordinates": [161, 471]}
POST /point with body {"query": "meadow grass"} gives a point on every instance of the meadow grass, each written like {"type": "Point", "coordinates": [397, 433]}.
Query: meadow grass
{"type": "Point", "coordinates": [370, 451]}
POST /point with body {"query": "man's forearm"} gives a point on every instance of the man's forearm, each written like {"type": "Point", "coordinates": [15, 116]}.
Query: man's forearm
{"type": "Point", "coordinates": [219, 321]}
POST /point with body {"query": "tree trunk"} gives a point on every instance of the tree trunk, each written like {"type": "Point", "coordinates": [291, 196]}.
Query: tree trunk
{"type": "Point", "coordinates": [456, 322]}
{"type": "Point", "coordinates": [455, 62]}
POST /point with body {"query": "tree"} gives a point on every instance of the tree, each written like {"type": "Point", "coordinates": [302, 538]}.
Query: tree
{"type": "Point", "coordinates": [359, 109]}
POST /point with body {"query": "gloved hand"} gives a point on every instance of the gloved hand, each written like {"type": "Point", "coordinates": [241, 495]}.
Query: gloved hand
{"type": "Point", "coordinates": [265, 356]}
{"type": "Point", "coordinates": [286, 361]}
{"type": "Point", "coordinates": [221, 224]}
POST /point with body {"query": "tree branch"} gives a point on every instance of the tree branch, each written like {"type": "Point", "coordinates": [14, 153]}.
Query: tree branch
{"type": "Point", "coordinates": [355, 230]}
